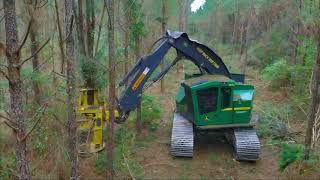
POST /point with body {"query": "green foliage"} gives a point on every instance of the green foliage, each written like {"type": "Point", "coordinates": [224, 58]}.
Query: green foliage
{"type": "Point", "coordinates": [151, 108]}
{"type": "Point", "coordinates": [123, 155]}
{"type": "Point", "coordinates": [290, 153]}
{"type": "Point", "coordinates": [151, 112]}
{"type": "Point", "coordinates": [41, 136]}
{"type": "Point", "coordinates": [272, 118]}
{"type": "Point", "coordinates": [101, 162]}
{"type": "Point", "coordinates": [7, 163]}
{"type": "Point", "coordinates": [137, 26]}
{"type": "Point", "coordinates": [278, 73]}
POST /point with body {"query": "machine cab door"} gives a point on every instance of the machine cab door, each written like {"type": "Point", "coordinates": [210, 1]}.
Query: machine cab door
{"type": "Point", "coordinates": [242, 104]}
{"type": "Point", "coordinates": [211, 102]}
{"type": "Point", "coordinates": [226, 111]}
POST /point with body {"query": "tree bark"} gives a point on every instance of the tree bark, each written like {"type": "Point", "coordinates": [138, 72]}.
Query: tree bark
{"type": "Point", "coordinates": [127, 18]}
{"type": "Point", "coordinates": [112, 88]}
{"type": "Point", "coordinates": [139, 120]}
{"type": "Point", "coordinates": [90, 22]}
{"type": "Point", "coordinates": [60, 38]}
{"type": "Point", "coordinates": [15, 88]}
{"type": "Point", "coordinates": [35, 64]}
{"type": "Point", "coordinates": [71, 88]}
{"type": "Point", "coordinates": [126, 54]}
{"type": "Point", "coordinates": [183, 23]}
{"type": "Point", "coordinates": [163, 32]}
{"type": "Point", "coordinates": [314, 101]}
{"type": "Point", "coordinates": [80, 29]}
{"type": "Point", "coordinates": [248, 34]}
{"type": "Point", "coordinates": [295, 34]}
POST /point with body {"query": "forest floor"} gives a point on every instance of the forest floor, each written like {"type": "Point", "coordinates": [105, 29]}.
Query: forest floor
{"type": "Point", "coordinates": [212, 154]}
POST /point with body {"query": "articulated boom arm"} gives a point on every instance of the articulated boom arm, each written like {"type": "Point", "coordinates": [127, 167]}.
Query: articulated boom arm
{"type": "Point", "coordinates": [202, 56]}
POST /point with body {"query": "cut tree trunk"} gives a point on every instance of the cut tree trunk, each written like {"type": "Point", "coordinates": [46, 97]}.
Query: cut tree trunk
{"type": "Point", "coordinates": [71, 89]}
{"type": "Point", "coordinates": [112, 88]}
{"type": "Point", "coordinates": [15, 88]}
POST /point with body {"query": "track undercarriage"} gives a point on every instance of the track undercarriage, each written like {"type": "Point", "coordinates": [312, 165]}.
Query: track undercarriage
{"type": "Point", "coordinates": [246, 144]}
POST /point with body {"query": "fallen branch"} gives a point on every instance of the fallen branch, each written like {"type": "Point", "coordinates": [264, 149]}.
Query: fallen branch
{"type": "Point", "coordinates": [38, 50]}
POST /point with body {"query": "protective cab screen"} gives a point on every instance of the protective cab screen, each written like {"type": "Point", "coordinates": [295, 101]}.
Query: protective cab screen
{"type": "Point", "coordinates": [207, 100]}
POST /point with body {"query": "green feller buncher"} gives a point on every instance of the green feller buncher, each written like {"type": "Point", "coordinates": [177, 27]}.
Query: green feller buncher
{"type": "Point", "coordinates": [213, 99]}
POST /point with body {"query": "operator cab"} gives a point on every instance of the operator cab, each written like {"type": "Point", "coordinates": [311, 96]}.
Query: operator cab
{"type": "Point", "coordinates": [215, 101]}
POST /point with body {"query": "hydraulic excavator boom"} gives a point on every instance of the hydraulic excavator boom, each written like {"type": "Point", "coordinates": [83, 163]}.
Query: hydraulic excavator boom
{"type": "Point", "coordinates": [202, 56]}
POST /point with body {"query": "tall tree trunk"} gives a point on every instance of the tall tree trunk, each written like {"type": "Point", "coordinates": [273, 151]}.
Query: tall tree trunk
{"type": "Point", "coordinates": [295, 34]}
{"type": "Point", "coordinates": [60, 38]}
{"type": "Point", "coordinates": [15, 88]}
{"type": "Point", "coordinates": [248, 34]}
{"type": "Point", "coordinates": [35, 64]}
{"type": "Point", "coordinates": [183, 23]}
{"type": "Point", "coordinates": [242, 39]}
{"type": "Point", "coordinates": [80, 29]}
{"type": "Point", "coordinates": [112, 88]}
{"type": "Point", "coordinates": [314, 101]}
{"type": "Point", "coordinates": [71, 88]}
{"type": "Point", "coordinates": [128, 18]}
{"type": "Point", "coordinates": [139, 118]}
{"type": "Point", "coordinates": [163, 32]}
{"type": "Point", "coordinates": [126, 53]}
{"type": "Point", "coordinates": [90, 22]}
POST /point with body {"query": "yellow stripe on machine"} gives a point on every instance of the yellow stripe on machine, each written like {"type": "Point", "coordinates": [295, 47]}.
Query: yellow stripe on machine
{"type": "Point", "coordinates": [237, 109]}
{"type": "Point", "coordinates": [140, 79]}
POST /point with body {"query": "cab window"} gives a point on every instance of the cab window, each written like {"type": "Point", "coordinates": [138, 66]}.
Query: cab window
{"type": "Point", "coordinates": [244, 95]}
{"type": "Point", "coordinates": [207, 100]}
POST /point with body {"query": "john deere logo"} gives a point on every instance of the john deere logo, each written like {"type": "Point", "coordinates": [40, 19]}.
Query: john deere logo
{"type": "Point", "coordinates": [206, 118]}
{"type": "Point", "coordinates": [207, 57]}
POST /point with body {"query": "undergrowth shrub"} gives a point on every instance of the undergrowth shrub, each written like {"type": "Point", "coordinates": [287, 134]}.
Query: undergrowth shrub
{"type": "Point", "coordinates": [123, 155]}
{"type": "Point", "coordinates": [278, 74]}
{"type": "Point", "coordinates": [151, 112]}
{"type": "Point", "coordinates": [272, 120]}
{"type": "Point", "coordinates": [289, 154]}
{"type": "Point", "coordinates": [7, 163]}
